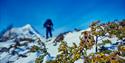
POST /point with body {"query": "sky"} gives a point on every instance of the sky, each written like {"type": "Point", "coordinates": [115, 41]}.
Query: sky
{"type": "Point", "coordinates": [65, 14]}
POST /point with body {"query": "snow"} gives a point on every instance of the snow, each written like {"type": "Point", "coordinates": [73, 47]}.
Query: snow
{"type": "Point", "coordinates": [21, 32]}
{"type": "Point", "coordinates": [72, 37]}
{"type": "Point", "coordinates": [4, 57]}
{"type": "Point", "coordinates": [53, 50]}
{"type": "Point", "coordinates": [30, 58]}
{"type": "Point", "coordinates": [6, 44]}
{"type": "Point", "coordinates": [79, 61]}
{"type": "Point", "coordinates": [28, 26]}
{"type": "Point", "coordinates": [92, 50]}
{"type": "Point", "coordinates": [47, 58]}
{"type": "Point", "coordinates": [28, 32]}
{"type": "Point", "coordinates": [13, 58]}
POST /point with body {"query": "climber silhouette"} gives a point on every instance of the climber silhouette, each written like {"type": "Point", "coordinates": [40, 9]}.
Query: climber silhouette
{"type": "Point", "coordinates": [49, 27]}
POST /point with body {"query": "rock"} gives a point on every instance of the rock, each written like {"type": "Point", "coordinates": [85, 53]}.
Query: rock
{"type": "Point", "coordinates": [4, 49]}
{"type": "Point", "coordinates": [22, 55]}
{"type": "Point", "coordinates": [117, 43]}
{"type": "Point", "coordinates": [59, 38]}
{"type": "Point", "coordinates": [77, 30]}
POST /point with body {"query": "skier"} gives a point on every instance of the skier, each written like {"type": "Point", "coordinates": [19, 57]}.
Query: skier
{"type": "Point", "coordinates": [49, 26]}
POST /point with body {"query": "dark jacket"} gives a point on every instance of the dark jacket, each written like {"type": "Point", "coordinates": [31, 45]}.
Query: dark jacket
{"type": "Point", "coordinates": [48, 23]}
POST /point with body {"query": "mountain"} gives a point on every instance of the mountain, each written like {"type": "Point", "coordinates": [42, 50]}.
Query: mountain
{"type": "Point", "coordinates": [27, 31]}
{"type": "Point", "coordinates": [25, 45]}
{"type": "Point", "coordinates": [21, 44]}
{"type": "Point", "coordinates": [24, 38]}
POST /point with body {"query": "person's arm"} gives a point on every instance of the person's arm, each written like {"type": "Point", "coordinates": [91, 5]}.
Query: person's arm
{"type": "Point", "coordinates": [51, 24]}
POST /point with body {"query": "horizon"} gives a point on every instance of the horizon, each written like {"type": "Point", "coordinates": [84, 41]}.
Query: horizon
{"type": "Point", "coordinates": [66, 15]}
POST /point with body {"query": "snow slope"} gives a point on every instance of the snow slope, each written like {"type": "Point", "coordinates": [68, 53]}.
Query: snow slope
{"type": "Point", "coordinates": [73, 37]}
{"type": "Point", "coordinates": [70, 38]}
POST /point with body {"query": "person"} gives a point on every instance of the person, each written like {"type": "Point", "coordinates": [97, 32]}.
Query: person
{"type": "Point", "coordinates": [49, 26]}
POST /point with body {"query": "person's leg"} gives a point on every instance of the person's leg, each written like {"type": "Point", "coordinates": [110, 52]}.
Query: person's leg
{"type": "Point", "coordinates": [50, 33]}
{"type": "Point", "coordinates": [47, 33]}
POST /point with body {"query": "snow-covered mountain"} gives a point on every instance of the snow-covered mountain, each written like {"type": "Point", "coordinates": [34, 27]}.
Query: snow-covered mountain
{"type": "Point", "coordinates": [27, 35]}
{"type": "Point", "coordinates": [18, 43]}
{"type": "Point", "coordinates": [27, 31]}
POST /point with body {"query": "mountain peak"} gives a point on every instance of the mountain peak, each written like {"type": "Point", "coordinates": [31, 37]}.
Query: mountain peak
{"type": "Point", "coordinates": [27, 26]}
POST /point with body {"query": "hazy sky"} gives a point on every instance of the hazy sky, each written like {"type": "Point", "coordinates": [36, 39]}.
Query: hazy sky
{"type": "Point", "coordinates": [66, 14]}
